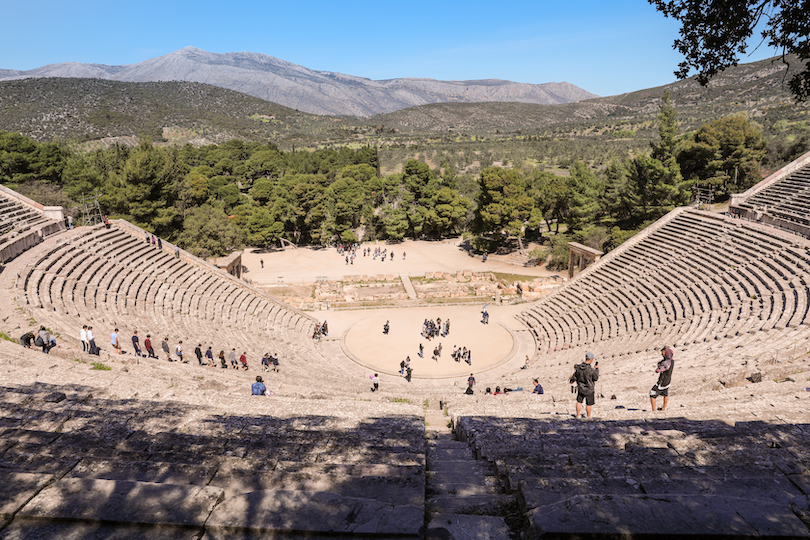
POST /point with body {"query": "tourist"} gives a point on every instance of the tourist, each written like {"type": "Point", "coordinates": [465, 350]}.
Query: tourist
{"type": "Point", "coordinates": [402, 368]}
{"type": "Point", "coordinates": [497, 391]}
{"type": "Point", "coordinates": [222, 363]}
{"type": "Point", "coordinates": [26, 339]}
{"type": "Point", "coordinates": [179, 352]}
{"type": "Point", "coordinates": [160, 244]}
{"type": "Point", "coordinates": [70, 222]}
{"type": "Point", "coordinates": [114, 341]}
{"type": "Point", "coordinates": [375, 383]}
{"type": "Point", "coordinates": [664, 370]}
{"type": "Point", "coordinates": [176, 252]}
{"type": "Point", "coordinates": [43, 340]}
{"type": "Point", "coordinates": [526, 363]}
{"type": "Point", "coordinates": [585, 376]}
{"type": "Point", "coordinates": [232, 358]}
{"type": "Point", "coordinates": [324, 329]}
{"type": "Point", "coordinates": [136, 344]}
{"type": "Point", "coordinates": [243, 360]}
{"type": "Point", "coordinates": [471, 380]}
{"type": "Point", "coordinates": [386, 328]}
{"type": "Point", "coordinates": [538, 389]}
{"type": "Point", "coordinates": [83, 339]}
{"type": "Point", "coordinates": [421, 351]}
{"type": "Point", "coordinates": [266, 362]}
{"type": "Point", "coordinates": [488, 391]}
{"type": "Point", "coordinates": [258, 388]}
{"type": "Point", "coordinates": [147, 343]}
{"type": "Point", "coordinates": [408, 373]}
{"type": "Point", "coordinates": [261, 262]}
{"type": "Point", "coordinates": [209, 356]}
{"type": "Point", "coordinates": [91, 339]}
{"type": "Point", "coordinates": [274, 361]}
{"type": "Point", "coordinates": [165, 346]}
{"type": "Point", "coordinates": [198, 353]}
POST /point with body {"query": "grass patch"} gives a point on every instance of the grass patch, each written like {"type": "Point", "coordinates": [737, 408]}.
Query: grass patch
{"type": "Point", "coordinates": [401, 400]}
{"type": "Point", "coordinates": [3, 335]}
{"type": "Point", "coordinates": [511, 278]}
{"type": "Point", "coordinates": [101, 366]}
{"type": "Point", "coordinates": [79, 360]}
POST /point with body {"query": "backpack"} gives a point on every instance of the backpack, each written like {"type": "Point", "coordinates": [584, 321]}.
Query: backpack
{"type": "Point", "coordinates": [38, 342]}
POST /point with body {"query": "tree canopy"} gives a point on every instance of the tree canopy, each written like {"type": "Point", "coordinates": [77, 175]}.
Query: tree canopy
{"type": "Point", "coordinates": [714, 34]}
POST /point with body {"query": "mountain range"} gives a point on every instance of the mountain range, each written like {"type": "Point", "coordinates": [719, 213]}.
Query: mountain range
{"type": "Point", "coordinates": [315, 92]}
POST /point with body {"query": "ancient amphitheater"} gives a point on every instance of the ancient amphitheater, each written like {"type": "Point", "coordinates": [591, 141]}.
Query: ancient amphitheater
{"type": "Point", "coordinates": [144, 448]}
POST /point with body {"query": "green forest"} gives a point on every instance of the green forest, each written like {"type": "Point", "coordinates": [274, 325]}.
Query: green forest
{"type": "Point", "coordinates": [217, 198]}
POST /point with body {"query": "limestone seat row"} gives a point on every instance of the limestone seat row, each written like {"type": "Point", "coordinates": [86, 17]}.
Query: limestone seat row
{"type": "Point", "coordinates": [697, 277]}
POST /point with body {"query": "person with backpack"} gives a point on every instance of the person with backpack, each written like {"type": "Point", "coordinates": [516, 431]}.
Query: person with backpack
{"type": "Point", "coordinates": [585, 376]}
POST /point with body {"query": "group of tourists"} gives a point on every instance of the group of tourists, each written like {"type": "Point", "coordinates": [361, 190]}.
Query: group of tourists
{"type": "Point", "coordinates": [432, 329]}
{"type": "Point", "coordinates": [463, 354]}
{"type": "Point", "coordinates": [320, 330]}
{"type": "Point", "coordinates": [42, 339]}
{"type": "Point", "coordinates": [208, 358]}
{"type": "Point", "coordinates": [583, 382]}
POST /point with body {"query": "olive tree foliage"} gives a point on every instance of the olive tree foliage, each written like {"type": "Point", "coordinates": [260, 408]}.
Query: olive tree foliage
{"type": "Point", "coordinates": [715, 33]}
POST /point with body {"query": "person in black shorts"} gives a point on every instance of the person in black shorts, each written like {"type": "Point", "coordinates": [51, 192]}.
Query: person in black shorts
{"type": "Point", "coordinates": [585, 376]}
{"type": "Point", "coordinates": [664, 370]}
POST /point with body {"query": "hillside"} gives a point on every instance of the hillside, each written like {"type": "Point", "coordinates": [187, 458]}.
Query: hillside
{"type": "Point", "coordinates": [90, 109]}
{"type": "Point", "coordinates": [316, 92]}
{"type": "Point", "coordinates": [753, 88]}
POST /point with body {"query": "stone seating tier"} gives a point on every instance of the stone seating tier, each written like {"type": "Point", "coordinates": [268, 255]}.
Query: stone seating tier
{"type": "Point", "coordinates": [705, 267]}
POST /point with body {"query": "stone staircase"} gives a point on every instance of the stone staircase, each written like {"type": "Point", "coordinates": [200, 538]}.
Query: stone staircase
{"type": "Point", "coordinates": [464, 498]}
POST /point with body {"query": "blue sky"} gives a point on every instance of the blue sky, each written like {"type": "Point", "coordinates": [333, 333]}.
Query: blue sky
{"type": "Point", "coordinates": [604, 47]}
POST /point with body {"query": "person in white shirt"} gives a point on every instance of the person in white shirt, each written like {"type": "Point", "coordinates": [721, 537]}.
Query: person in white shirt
{"type": "Point", "coordinates": [85, 341]}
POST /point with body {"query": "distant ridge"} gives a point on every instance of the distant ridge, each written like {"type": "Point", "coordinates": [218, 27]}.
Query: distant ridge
{"type": "Point", "coordinates": [316, 92]}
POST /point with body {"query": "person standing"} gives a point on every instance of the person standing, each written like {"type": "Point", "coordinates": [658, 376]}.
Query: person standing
{"type": "Point", "coordinates": [91, 339]}
{"type": "Point", "coordinates": [83, 337]}
{"type": "Point", "coordinates": [585, 376]}
{"type": "Point", "coordinates": [114, 342]}
{"type": "Point", "coordinates": [179, 351]}
{"type": "Point", "coordinates": [664, 370]}
{"type": "Point", "coordinates": [165, 346]}
{"type": "Point", "coordinates": [243, 360]}
{"type": "Point", "coordinates": [147, 343]}
{"type": "Point", "coordinates": [209, 356]}
{"type": "Point", "coordinates": [198, 353]}
{"type": "Point", "coordinates": [386, 328]}
{"type": "Point", "coordinates": [136, 345]}
{"type": "Point", "coordinates": [375, 383]}
{"type": "Point", "coordinates": [70, 222]}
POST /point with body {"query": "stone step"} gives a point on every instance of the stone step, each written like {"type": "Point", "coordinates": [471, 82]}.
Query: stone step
{"type": "Point", "coordinates": [441, 453]}
{"type": "Point", "coordinates": [462, 489]}
{"type": "Point", "coordinates": [481, 505]}
{"type": "Point", "coordinates": [671, 516]}
{"type": "Point", "coordinates": [311, 513]}
{"type": "Point", "coordinates": [465, 527]}
{"type": "Point", "coordinates": [111, 501]}
{"type": "Point", "coordinates": [409, 490]}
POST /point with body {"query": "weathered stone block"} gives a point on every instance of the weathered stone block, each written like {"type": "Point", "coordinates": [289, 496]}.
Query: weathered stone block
{"type": "Point", "coordinates": [314, 512]}
{"type": "Point", "coordinates": [113, 501]}
{"type": "Point", "coordinates": [19, 488]}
